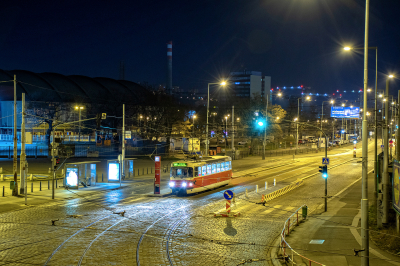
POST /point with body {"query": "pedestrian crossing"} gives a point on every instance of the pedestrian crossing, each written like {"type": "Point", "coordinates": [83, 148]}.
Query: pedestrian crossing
{"type": "Point", "coordinates": [268, 211]}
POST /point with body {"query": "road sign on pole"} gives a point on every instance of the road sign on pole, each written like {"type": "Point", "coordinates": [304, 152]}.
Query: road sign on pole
{"type": "Point", "coordinates": [228, 194]}
{"type": "Point", "coordinates": [325, 160]}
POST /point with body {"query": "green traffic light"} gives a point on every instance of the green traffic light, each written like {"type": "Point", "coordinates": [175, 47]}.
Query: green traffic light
{"type": "Point", "coordinates": [260, 123]}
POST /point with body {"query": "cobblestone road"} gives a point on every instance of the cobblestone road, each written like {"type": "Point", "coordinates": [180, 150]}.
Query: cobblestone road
{"type": "Point", "coordinates": [92, 230]}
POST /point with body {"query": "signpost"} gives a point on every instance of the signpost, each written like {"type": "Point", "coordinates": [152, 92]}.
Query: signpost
{"type": "Point", "coordinates": [228, 195]}
{"type": "Point", "coordinates": [157, 178]}
{"type": "Point", "coordinates": [325, 160]}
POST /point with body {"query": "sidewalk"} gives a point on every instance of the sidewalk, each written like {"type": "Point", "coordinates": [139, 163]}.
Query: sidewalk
{"type": "Point", "coordinates": [339, 228]}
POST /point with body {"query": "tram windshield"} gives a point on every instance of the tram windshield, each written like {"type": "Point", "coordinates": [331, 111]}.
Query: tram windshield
{"type": "Point", "coordinates": [182, 172]}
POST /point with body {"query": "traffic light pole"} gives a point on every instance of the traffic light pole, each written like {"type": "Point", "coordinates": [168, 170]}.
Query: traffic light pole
{"type": "Point", "coordinates": [326, 179]}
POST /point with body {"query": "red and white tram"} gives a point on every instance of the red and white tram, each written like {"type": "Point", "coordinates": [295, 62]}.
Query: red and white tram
{"type": "Point", "coordinates": [192, 176]}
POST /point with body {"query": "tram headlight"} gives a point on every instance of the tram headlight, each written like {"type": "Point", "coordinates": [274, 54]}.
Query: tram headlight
{"type": "Point", "coordinates": [171, 184]}
{"type": "Point", "coordinates": [184, 184]}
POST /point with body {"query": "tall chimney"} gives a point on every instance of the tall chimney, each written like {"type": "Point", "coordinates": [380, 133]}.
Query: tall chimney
{"type": "Point", "coordinates": [169, 68]}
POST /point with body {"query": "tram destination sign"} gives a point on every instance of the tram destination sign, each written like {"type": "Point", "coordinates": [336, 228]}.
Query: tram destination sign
{"type": "Point", "coordinates": [179, 164]}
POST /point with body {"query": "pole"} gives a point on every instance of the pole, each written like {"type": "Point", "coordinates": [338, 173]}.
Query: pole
{"type": "Point", "coordinates": [297, 124]}
{"type": "Point", "coordinates": [79, 135]}
{"type": "Point", "coordinates": [208, 109]}
{"type": "Point", "coordinates": [326, 178]}
{"type": "Point", "coordinates": [386, 184]}
{"type": "Point", "coordinates": [15, 166]}
{"type": "Point", "coordinates": [233, 132]}
{"type": "Point", "coordinates": [193, 136]}
{"type": "Point", "coordinates": [22, 159]}
{"type": "Point", "coordinates": [364, 201]}
{"type": "Point", "coordinates": [398, 131]}
{"type": "Point", "coordinates": [320, 133]}
{"type": "Point", "coordinates": [53, 163]}
{"type": "Point", "coordinates": [226, 128]}
{"type": "Point", "coordinates": [265, 129]}
{"type": "Point", "coordinates": [123, 142]}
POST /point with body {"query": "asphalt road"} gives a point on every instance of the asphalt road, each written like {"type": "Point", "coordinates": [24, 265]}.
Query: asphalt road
{"type": "Point", "coordinates": [91, 230]}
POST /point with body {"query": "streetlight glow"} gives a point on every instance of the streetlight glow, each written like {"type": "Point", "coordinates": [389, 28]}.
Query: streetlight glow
{"type": "Point", "coordinates": [347, 48]}
{"type": "Point", "coordinates": [391, 76]}
{"type": "Point", "coordinates": [332, 101]}
{"type": "Point", "coordinates": [308, 98]}
{"type": "Point", "coordinates": [223, 83]}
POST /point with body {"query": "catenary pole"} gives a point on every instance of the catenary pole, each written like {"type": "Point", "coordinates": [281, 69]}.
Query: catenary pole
{"type": "Point", "coordinates": [15, 166]}
{"type": "Point", "coordinates": [364, 200]}
{"type": "Point", "coordinates": [385, 178]}
{"type": "Point", "coordinates": [22, 159]}
{"type": "Point", "coordinates": [265, 128]}
{"type": "Point", "coordinates": [233, 132]}
{"type": "Point", "coordinates": [123, 143]}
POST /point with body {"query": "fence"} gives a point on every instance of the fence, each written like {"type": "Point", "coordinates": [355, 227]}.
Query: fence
{"type": "Point", "coordinates": [32, 152]}
{"type": "Point", "coordinates": [292, 221]}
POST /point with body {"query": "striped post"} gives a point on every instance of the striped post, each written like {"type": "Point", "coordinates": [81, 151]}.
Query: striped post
{"type": "Point", "coordinates": [228, 206]}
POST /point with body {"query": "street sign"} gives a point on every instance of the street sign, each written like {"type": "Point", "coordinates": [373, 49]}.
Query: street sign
{"type": "Point", "coordinates": [325, 160]}
{"type": "Point", "coordinates": [104, 116]}
{"type": "Point", "coordinates": [128, 134]}
{"type": "Point", "coordinates": [228, 194]}
{"type": "Point", "coordinates": [382, 146]}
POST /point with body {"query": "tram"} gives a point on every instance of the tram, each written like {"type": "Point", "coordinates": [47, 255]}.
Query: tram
{"type": "Point", "coordinates": [196, 175]}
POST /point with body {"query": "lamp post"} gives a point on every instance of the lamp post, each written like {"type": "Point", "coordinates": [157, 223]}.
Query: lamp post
{"type": "Point", "coordinates": [322, 116]}
{"type": "Point", "coordinates": [208, 110]}
{"type": "Point", "coordinates": [79, 108]}
{"type": "Point", "coordinates": [366, 48]}
{"type": "Point", "coordinates": [194, 117]}
{"type": "Point", "coordinates": [266, 122]}
{"type": "Point", "coordinates": [298, 120]}
{"type": "Point", "coordinates": [226, 128]}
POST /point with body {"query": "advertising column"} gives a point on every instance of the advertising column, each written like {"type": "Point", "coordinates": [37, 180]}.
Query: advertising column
{"type": "Point", "coordinates": [157, 178]}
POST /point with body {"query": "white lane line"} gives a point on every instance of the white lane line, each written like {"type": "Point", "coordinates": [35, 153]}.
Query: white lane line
{"type": "Point", "coordinates": [273, 208]}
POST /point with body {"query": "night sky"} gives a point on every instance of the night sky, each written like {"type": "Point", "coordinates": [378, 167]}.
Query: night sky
{"type": "Point", "coordinates": [296, 42]}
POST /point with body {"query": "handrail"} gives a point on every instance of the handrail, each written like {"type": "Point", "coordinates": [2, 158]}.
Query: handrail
{"type": "Point", "coordinates": [284, 244]}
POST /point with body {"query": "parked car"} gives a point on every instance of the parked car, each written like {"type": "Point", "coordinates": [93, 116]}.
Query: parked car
{"type": "Point", "coordinates": [243, 142]}
{"type": "Point", "coordinates": [302, 141]}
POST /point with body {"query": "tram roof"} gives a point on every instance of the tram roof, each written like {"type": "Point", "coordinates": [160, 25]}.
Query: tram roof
{"type": "Point", "coordinates": [204, 159]}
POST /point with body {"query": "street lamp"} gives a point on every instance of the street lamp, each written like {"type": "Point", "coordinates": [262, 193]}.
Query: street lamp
{"type": "Point", "coordinates": [226, 125]}
{"type": "Point", "coordinates": [322, 116]}
{"type": "Point", "coordinates": [223, 83]}
{"type": "Point", "coordinates": [80, 109]}
{"type": "Point", "coordinates": [297, 119]}
{"type": "Point", "coordinates": [265, 127]}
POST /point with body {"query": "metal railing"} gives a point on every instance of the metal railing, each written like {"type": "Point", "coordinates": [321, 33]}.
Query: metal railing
{"type": "Point", "coordinates": [292, 221]}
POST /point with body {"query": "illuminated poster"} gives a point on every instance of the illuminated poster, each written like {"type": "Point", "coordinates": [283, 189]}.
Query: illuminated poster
{"type": "Point", "coordinates": [345, 112]}
{"type": "Point", "coordinates": [71, 177]}
{"type": "Point", "coordinates": [113, 171]}
{"type": "Point", "coordinates": [396, 186]}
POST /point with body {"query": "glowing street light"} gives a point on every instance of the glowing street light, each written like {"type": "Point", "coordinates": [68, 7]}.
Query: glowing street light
{"type": "Point", "coordinates": [347, 48]}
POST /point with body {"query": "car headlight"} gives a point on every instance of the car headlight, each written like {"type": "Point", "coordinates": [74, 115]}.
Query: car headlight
{"type": "Point", "coordinates": [184, 184]}
{"type": "Point", "coordinates": [171, 184]}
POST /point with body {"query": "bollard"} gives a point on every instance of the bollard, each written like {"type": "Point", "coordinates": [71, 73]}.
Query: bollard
{"type": "Point", "coordinates": [48, 184]}
{"type": "Point", "coordinates": [31, 177]}
{"type": "Point", "coordinates": [274, 182]}
{"type": "Point", "coordinates": [246, 194]}
{"type": "Point", "coordinates": [32, 187]}
{"type": "Point", "coordinates": [40, 186]}
{"type": "Point", "coordinates": [256, 188]}
{"type": "Point", "coordinates": [304, 212]}
{"type": "Point", "coordinates": [266, 185]}
{"type": "Point", "coordinates": [3, 191]}
{"type": "Point", "coordinates": [1, 177]}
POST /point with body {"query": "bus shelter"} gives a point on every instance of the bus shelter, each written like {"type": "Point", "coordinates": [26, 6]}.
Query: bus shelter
{"type": "Point", "coordinates": [80, 174]}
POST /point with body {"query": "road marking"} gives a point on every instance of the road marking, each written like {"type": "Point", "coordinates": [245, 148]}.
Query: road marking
{"type": "Point", "coordinates": [272, 209]}
{"type": "Point", "coordinates": [255, 209]}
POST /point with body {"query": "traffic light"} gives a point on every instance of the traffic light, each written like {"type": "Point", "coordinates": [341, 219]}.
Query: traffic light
{"type": "Point", "coordinates": [324, 170]}
{"type": "Point", "coordinates": [57, 163]}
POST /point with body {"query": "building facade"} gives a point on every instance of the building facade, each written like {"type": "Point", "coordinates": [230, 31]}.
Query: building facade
{"type": "Point", "coordinates": [247, 84]}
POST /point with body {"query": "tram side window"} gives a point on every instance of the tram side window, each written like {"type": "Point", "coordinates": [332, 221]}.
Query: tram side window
{"type": "Point", "coordinates": [197, 171]}
{"type": "Point", "coordinates": [230, 165]}
{"type": "Point", "coordinates": [204, 170]}
{"type": "Point", "coordinates": [214, 168]}
{"type": "Point", "coordinates": [208, 169]}
{"type": "Point", "coordinates": [222, 166]}
{"type": "Point", "coordinates": [218, 167]}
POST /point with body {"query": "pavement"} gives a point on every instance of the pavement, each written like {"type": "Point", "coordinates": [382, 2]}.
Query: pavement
{"type": "Point", "coordinates": [339, 232]}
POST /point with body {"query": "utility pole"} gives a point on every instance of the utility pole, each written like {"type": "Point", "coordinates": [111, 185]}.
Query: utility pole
{"type": "Point", "coordinates": [123, 144]}
{"type": "Point", "coordinates": [233, 132]}
{"type": "Point", "coordinates": [385, 178]}
{"type": "Point", "coordinates": [15, 166]}
{"type": "Point", "coordinates": [265, 129]}
{"type": "Point", "coordinates": [364, 200]}
{"type": "Point", "coordinates": [53, 162]}
{"type": "Point", "coordinates": [398, 131]}
{"type": "Point", "coordinates": [22, 158]}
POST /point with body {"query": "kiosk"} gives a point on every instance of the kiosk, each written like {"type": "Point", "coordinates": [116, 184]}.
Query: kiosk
{"type": "Point", "coordinates": [80, 173]}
